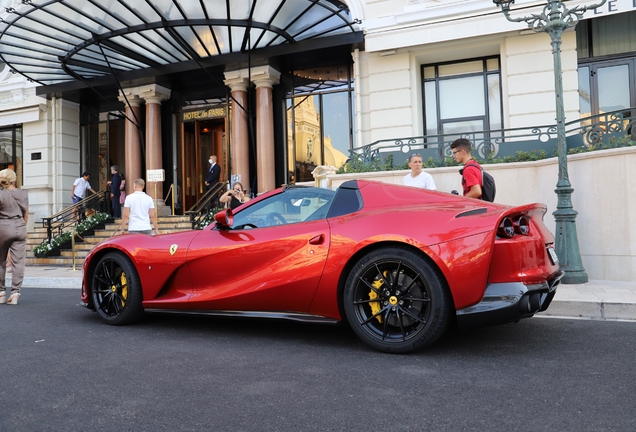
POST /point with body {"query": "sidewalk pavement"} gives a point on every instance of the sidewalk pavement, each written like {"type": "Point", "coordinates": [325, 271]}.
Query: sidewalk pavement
{"type": "Point", "coordinates": [597, 299]}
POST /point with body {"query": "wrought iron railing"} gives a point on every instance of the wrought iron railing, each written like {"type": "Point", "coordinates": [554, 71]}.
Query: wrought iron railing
{"type": "Point", "coordinates": [207, 204]}
{"type": "Point", "coordinates": [501, 143]}
{"type": "Point", "coordinates": [63, 221]}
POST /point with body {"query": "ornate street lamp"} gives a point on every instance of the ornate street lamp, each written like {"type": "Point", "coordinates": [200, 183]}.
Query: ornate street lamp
{"type": "Point", "coordinates": [554, 19]}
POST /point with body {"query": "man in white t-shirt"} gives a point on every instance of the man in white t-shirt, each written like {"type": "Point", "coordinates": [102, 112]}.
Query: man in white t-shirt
{"type": "Point", "coordinates": [140, 209]}
{"type": "Point", "coordinates": [80, 186]}
{"type": "Point", "coordinates": [417, 177]}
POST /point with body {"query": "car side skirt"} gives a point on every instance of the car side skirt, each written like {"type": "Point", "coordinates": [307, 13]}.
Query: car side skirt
{"type": "Point", "coordinates": [250, 314]}
{"type": "Point", "coordinates": [509, 302]}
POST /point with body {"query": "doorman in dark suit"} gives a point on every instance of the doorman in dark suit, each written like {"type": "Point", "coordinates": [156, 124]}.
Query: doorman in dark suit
{"type": "Point", "coordinates": [115, 182]}
{"type": "Point", "coordinates": [214, 173]}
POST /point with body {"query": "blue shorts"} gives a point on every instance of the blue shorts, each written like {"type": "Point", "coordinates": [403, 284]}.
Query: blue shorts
{"type": "Point", "coordinates": [147, 232]}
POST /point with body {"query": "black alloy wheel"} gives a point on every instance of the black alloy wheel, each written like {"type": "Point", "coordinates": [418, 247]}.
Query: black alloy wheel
{"type": "Point", "coordinates": [396, 301]}
{"type": "Point", "coordinates": [116, 289]}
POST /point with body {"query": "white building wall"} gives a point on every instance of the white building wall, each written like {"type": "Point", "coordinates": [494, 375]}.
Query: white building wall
{"type": "Point", "coordinates": [528, 79]}
{"type": "Point", "coordinates": [52, 132]}
{"type": "Point", "coordinates": [387, 106]}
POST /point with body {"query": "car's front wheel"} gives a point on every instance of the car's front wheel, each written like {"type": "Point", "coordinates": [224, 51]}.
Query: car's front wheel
{"type": "Point", "coordinates": [396, 301]}
{"type": "Point", "coordinates": [116, 289]}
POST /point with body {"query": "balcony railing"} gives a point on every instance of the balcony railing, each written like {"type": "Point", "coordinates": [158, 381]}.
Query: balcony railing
{"type": "Point", "coordinates": [501, 143]}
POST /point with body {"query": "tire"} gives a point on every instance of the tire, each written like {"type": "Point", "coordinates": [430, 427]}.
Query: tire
{"type": "Point", "coordinates": [396, 314]}
{"type": "Point", "coordinates": [116, 290]}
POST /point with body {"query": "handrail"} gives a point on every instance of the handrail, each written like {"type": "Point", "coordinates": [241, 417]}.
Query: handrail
{"type": "Point", "coordinates": [586, 131]}
{"type": "Point", "coordinates": [208, 203]}
{"type": "Point", "coordinates": [73, 214]}
{"type": "Point", "coordinates": [78, 204]}
{"type": "Point", "coordinates": [170, 193]}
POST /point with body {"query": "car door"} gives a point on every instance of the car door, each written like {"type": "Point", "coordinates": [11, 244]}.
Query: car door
{"type": "Point", "coordinates": [268, 264]}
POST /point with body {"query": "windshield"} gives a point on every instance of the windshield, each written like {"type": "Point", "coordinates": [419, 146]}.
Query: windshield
{"type": "Point", "coordinates": [293, 205]}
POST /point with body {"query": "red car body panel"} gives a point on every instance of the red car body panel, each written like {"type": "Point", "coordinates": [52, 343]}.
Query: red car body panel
{"type": "Point", "coordinates": [275, 268]}
{"type": "Point", "coordinates": [163, 277]}
{"type": "Point", "coordinates": [301, 267]}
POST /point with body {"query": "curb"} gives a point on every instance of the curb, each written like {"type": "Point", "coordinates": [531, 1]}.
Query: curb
{"type": "Point", "coordinates": [43, 282]}
{"type": "Point", "coordinates": [600, 310]}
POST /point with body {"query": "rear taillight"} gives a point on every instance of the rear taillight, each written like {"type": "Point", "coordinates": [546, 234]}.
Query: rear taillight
{"type": "Point", "coordinates": [506, 228]}
{"type": "Point", "coordinates": [511, 225]}
{"type": "Point", "coordinates": [522, 225]}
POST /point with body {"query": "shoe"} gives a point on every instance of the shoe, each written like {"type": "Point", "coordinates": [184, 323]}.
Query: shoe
{"type": "Point", "coordinates": [13, 299]}
{"type": "Point", "coordinates": [3, 298]}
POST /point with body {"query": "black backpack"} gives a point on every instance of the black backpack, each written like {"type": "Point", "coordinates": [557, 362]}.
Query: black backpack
{"type": "Point", "coordinates": [488, 188]}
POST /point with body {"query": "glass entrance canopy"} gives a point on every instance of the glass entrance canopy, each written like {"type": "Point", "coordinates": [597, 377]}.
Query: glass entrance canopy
{"type": "Point", "coordinates": [56, 41]}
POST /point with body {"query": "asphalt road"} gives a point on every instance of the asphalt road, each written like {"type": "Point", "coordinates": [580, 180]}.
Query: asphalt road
{"type": "Point", "coordinates": [63, 369]}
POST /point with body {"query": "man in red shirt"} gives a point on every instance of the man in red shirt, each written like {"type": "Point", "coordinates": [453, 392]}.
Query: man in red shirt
{"type": "Point", "coordinates": [471, 173]}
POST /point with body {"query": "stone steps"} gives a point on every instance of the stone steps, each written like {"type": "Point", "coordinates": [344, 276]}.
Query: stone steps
{"type": "Point", "coordinates": [167, 224]}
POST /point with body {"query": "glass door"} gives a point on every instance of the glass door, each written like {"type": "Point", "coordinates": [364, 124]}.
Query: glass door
{"type": "Point", "coordinates": [11, 151]}
{"type": "Point", "coordinates": [607, 86]}
{"type": "Point", "coordinates": [320, 132]}
{"type": "Point", "coordinates": [200, 140]}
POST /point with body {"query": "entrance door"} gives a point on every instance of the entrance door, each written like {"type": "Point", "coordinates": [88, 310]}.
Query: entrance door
{"type": "Point", "coordinates": [201, 139]}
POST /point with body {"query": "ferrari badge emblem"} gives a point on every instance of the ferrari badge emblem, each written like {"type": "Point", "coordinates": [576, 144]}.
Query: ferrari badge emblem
{"type": "Point", "coordinates": [173, 249]}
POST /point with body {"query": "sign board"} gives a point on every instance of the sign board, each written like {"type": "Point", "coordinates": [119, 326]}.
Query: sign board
{"type": "Point", "coordinates": [158, 175]}
{"type": "Point", "coordinates": [204, 114]}
{"type": "Point", "coordinates": [235, 178]}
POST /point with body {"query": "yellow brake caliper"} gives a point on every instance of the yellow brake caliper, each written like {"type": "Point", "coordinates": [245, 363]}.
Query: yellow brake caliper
{"type": "Point", "coordinates": [124, 289]}
{"type": "Point", "coordinates": [376, 306]}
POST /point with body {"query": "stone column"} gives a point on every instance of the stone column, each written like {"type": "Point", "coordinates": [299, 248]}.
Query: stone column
{"type": "Point", "coordinates": [217, 135]}
{"type": "Point", "coordinates": [153, 95]}
{"type": "Point", "coordinates": [264, 77]}
{"type": "Point", "coordinates": [239, 139]}
{"type": "Point", "coordinates": [132, 151]}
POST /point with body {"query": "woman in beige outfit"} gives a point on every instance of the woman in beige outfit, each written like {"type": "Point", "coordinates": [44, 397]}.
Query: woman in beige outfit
{"type": "Point", "coordinates": [14, 211]}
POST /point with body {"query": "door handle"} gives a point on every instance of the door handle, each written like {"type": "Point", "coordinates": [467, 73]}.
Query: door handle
{"type": "Point", "coordinates": [319, 239]}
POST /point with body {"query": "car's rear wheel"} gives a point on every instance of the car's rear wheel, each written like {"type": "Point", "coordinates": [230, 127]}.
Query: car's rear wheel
{"type": "Point", "coordinates": [396, 301]}
{"type": "Point", "coordinates": [116, 289]}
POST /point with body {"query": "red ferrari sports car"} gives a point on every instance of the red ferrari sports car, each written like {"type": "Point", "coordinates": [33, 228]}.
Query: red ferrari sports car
{"type": "Point", "coordinates": [399, 264]}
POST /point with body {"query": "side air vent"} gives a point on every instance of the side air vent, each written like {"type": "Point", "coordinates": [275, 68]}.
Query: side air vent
{"type": "Point", "coordinates": [472, 212]}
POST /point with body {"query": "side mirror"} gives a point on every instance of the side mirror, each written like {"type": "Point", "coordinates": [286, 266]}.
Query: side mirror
{"type": "Point", "coordinates": [224, 219]}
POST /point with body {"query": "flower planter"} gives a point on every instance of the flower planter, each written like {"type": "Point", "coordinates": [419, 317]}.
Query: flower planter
{"type": "Point", "coordinates": [65, 245]}
{"type": "Point", "coordinates": [50, 253]}
{"type": "Point", "coordinates": [89, 232]}
{"type": "Point", "coordinates": [98, 222]}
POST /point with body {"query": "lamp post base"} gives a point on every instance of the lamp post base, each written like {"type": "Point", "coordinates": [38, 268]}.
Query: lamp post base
{"type": "Point", "coordinates": [574, 278]}
{"type": "Point", "coordinates": [554, 20]}
{"type": "Point", "coordinates": [566, 239]}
